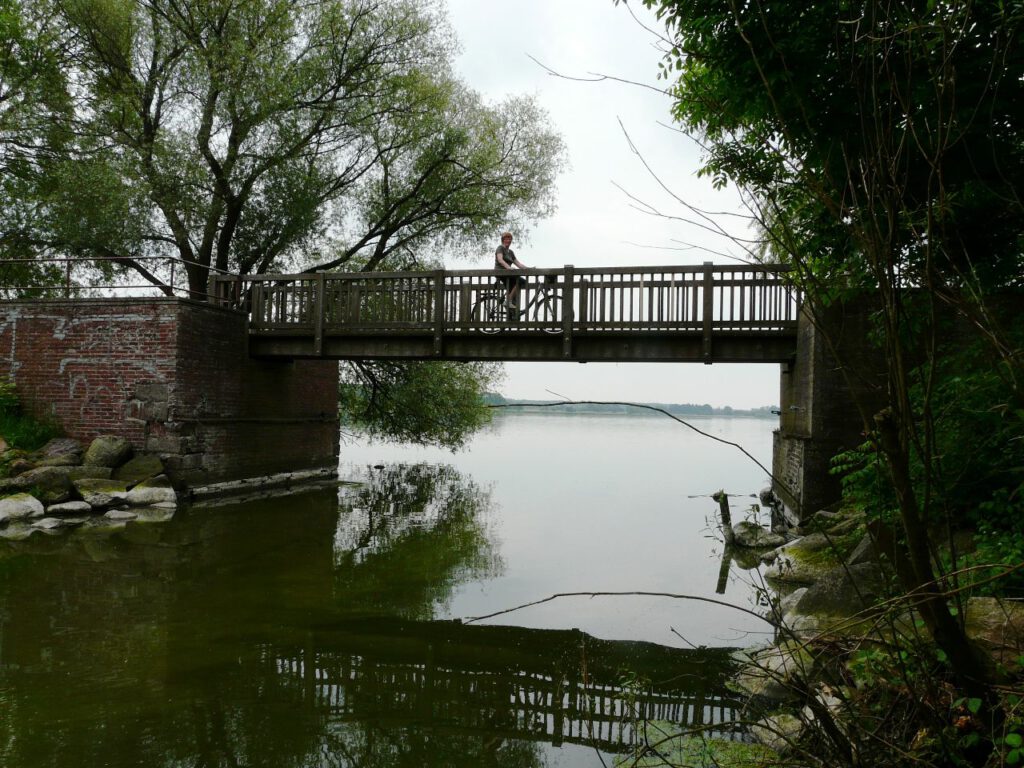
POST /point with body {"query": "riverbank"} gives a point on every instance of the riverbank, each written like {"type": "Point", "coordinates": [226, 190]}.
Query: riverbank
{"type": "Point", "coordinates": [65, 484]}
{"type": "Point", "coordinates": [852, 676]}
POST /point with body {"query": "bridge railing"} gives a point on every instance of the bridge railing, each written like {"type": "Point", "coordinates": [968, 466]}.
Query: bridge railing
{"type": "Point", "coordinates": [108, 278]}
{"type": "Point", "coordinates": [683, 298]}
{"type": "Point", "coordinates": [520, 704]}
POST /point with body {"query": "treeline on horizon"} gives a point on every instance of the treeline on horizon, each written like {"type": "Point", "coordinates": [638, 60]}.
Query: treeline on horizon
{"type": "Point", "coordinates": [628, 409]}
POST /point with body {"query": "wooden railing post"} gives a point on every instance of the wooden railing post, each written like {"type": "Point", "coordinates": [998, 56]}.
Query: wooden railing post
{"type": "Point", "coordinates": [257, 304]}
{"type": "Point", "coordinates": [709, 308]}
{"type": "Point", "coordinates": [318, 315]}
{"type": "Point", "coordinates": [438, 312]}
{"type": "Point", "coordinates": [465, 297]}
{"type": "Point", "coordinates": [568, 289]}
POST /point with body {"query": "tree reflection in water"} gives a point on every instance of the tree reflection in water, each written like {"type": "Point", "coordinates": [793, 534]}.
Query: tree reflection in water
{"type": "Point", "coordinates": [294, 633]}
{"type": "Point", "coordinates": [408, 536]}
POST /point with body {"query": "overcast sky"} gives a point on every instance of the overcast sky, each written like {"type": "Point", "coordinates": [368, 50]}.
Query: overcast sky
{"type": "Point", "coordinates": [597, 224]}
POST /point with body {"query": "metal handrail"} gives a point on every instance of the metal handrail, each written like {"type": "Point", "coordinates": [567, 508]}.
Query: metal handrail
{"type": "Point", "coordinates": [174, 269]}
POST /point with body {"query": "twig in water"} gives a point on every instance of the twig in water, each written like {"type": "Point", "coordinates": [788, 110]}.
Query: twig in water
{"type": "Point", "coordinates": [673, 595]}
{"type": "Point", "coordinates": [739, 447]}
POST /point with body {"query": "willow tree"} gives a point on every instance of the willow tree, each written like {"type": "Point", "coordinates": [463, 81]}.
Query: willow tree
{"type": "Point", "coordinates": [257, 135]}
{"type": "Point", "coordinates": [878, 143]}
{"type": "Point", "coordinates": [254, 136]}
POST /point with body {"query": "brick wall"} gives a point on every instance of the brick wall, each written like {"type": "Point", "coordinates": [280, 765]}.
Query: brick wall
{"type": "Point", "coordinates": [173, 377]}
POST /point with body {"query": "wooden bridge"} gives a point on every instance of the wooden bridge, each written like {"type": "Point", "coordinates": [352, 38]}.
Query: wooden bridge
{"type": "Point", "coordinates": [701, 313]}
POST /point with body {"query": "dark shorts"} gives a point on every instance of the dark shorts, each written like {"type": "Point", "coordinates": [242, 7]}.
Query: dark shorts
{"type": "Point", "coordinates": [510, 281]}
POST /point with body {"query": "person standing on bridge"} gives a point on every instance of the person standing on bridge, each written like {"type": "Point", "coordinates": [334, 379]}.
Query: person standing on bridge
{"type": "Point", "coordinates": [505, 258]}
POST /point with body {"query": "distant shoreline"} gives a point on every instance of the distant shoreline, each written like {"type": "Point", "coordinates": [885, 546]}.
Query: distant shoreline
{"type": "Point", "coordinates": [675, 409]}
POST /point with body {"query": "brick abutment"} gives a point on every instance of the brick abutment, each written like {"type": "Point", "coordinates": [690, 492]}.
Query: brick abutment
{"type": "Point", "coordinates": [173, 377]}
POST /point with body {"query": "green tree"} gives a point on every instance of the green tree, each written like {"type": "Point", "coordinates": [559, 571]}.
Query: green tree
{"type": "Point", "coordinates": [433, 402]}
{"type": "Point", "coordinates": [257, 136]}
{"type": "Point", "coordinates": [878, 144]}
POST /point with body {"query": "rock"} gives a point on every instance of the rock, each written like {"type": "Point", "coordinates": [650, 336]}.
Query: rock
{"type": "Point", "coordinates": [153, 514]}
{"type": "Point", "coordinates": [17, 531]}
{"type": "Point", "coordinates": [96, 473]}
{"type": "Point", "coordinates": [3, 444]}
{"type": "Point", "coordinates": [777, 732]}
{"type": "Point", "coordinates": [753, 536]}
{"type": "Point", "coordinates": [20, 506]}
{"type": "Point", "coordinates": [805, 627]}
{"type": "Point", "coordinates": [61, 446]}
{"type": "Point", "coordinates": [68, 508]}
{"type": "Point", "coordinates": [789, 602]}
{"type": "Point", "coordinates": [835, 523]}
{"type": "Point", "coordinates": [107, 451]}
{"type": "Point", "coordinates": [864, 552]}
{"type": "Point", "coordinates": [139, 469]}
{"type": "Point", "coordinates": [823, 518]}
{"type": "Point", "coordinates": [51, 485]}
{"type": "Point", "coordinates": [771, 672]}
{"type": "Point", "coordinates": [801, 561]}
{"type": "Point", "coordinates": [102, 525]}
{"type": "Point", "coordinates": [155, 491]}
{"type": "Point", "coordinates": [120, 515]}
{"type": "Point", "coordinates": [843, 591]}
{"type": "Point", "coordinates": [48, 523]}
{"type": "Point", "coordinates": [997, 625]}
{"type": "Point", "coordinates": [64, 460]}
{"type": "Point", "coordinates": [101, 494]}
{"type": "Point", "coordinates": [830, 703]}
{"type": "Point", "coordinates": [20, 465]}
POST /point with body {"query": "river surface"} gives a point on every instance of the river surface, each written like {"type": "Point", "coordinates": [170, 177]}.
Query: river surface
{"type": "Point", "coordinates": [334, 628]}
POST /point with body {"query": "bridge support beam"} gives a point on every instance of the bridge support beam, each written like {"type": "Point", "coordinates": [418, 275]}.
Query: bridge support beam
{"type": "Point", "coordinates": [174, 378]}
{"type": "Point", "coordinates": [823, 404]}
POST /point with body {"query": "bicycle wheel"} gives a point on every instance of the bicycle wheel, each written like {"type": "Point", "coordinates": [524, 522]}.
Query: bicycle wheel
{"type": "Point", "coordinates": [546, 314]}
{"type": "Point", "coordinates": [489, 314]}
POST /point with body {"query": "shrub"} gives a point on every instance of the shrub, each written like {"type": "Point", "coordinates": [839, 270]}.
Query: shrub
{"type": "Point", "coordinates": [18, 428]}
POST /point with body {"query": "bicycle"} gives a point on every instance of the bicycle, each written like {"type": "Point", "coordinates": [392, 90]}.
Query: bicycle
{"type": "Point", "coordinates": [490, 312]}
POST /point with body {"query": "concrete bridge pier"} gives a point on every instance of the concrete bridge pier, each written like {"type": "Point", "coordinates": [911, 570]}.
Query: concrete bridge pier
{"type": "Point", "coordinates": [174, 377]}
{"type": "Point", "coordinates": [822, 402]}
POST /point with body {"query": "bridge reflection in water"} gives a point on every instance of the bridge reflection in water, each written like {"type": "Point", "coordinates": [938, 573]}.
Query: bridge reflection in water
{"type": "Point", "coordinates": [508, 682]}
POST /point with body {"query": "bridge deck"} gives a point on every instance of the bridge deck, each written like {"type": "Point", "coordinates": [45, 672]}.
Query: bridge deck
{"type": "Point", "coordinates": [633, 314]}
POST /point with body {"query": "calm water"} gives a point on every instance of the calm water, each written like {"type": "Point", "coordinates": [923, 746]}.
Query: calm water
{"type": "Point", "coordinates": [315, 630]}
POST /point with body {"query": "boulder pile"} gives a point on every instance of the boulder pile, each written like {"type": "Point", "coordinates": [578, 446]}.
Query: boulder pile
{"type": "Point", "coordinates": [65, 484]}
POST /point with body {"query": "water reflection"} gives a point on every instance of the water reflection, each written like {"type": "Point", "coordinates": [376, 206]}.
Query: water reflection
{"type": "Point", "coordinates": [408, 536]}
{"type": "Point", "coordinates": [300, 632]}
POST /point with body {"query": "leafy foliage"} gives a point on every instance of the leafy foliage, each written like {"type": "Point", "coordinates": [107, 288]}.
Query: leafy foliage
{"type": "Point", "coordinates": [257, 136]}
{"type": "Point", "coordinates": [19, 429]}
{"type": "Point", "coordinates": [254, 135]}
{"type": "Point", "coordinates": [434, 402]}
{"type": "Point", "coordinates": [878, 146]}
